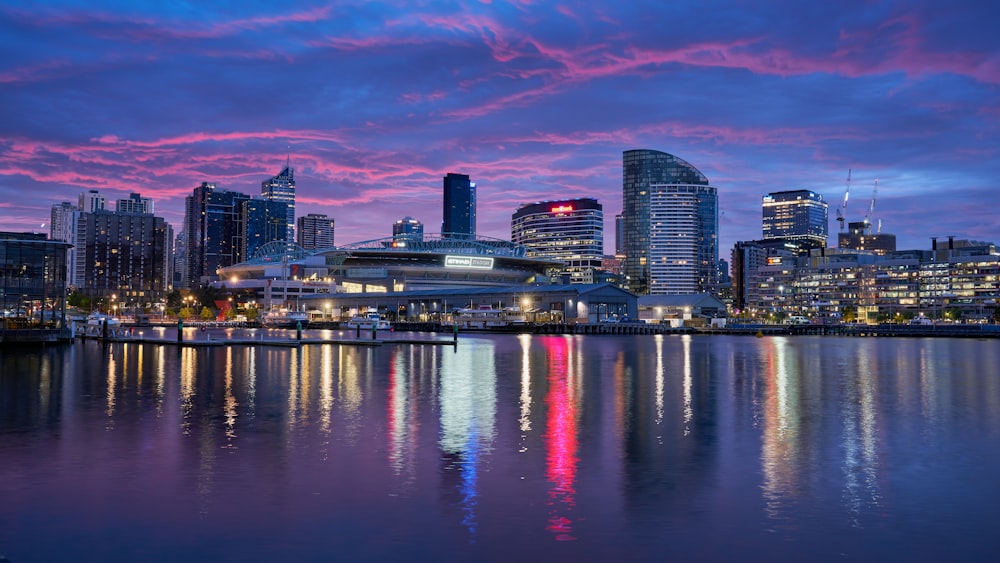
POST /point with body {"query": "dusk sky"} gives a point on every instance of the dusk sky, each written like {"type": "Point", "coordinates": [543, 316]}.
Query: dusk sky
{"type": "Point", "coordinates": [374, 103]}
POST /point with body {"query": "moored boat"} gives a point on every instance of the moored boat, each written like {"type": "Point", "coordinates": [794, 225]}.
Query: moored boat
{"type": "Point", "coordinates": [284, 318]}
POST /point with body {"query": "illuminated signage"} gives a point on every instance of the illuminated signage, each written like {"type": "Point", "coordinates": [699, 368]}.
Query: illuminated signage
{"type": "Point", "coordinates": [562, 209]}
{"type": "Point", "coordinates": [475, 263]}
{"type": "Point", "coordinates": [773, 261]}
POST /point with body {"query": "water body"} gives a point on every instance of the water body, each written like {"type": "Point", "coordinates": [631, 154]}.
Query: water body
{"type": "Point", "coordinates": [504, 448]}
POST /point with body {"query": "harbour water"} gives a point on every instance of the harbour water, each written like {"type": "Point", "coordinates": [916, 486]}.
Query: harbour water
{"type": "Point", "coordinates": [504, 448]}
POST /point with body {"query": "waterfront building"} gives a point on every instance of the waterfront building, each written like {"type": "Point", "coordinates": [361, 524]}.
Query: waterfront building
{"type": "Point", "coordinates": [33, 287]}
{"type": "Point", "coordinates": [859, 236]}
{"type": "Point", "coordinates": [315, 230]}
{"type": "Point", "coordinates": [214, 232]}
{"type": "Point", "coordinates": [135, 203]}
{"type": "Point", "coordinates": [407, 229]}
{"type": "Point", "coordinates": [379, 266]}
{"type": "Point", "coordinates": [459, 207]}
{"type": "Point", "coordinates": [569, 231]}
{"type": "Point", "coordinates": [747, 257]}
{"type": "Point", "coordinates": [551, 303]}
{"type": "Point", "coordinates": [125, 255]}
{"type": "Point", "coordinates": [671, 223]}
{"type": "Point", "coordinates": [960, 281]}
{"type": "Point", "coordinates": [263, 221]}
{"type": "Point", "coordinates": [282, 188]}
{"type": "Point", "coordinates": [799, 216]}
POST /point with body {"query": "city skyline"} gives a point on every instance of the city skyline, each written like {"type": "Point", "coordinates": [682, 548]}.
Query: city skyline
{"type": "Point", "coordinates": [373, 105]}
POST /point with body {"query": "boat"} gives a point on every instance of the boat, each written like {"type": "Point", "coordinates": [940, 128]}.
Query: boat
{"type": "Point", "coordinates": [284, 318]}
{"type": "Point", "coordinates": [369, 320]}
{"type": "Point", "coordinates": [100, 319]}
{"type": "Point", "coordinates": [486, 318]}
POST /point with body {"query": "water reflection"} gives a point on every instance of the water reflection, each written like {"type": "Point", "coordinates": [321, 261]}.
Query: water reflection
{"type": "Point", "coordinates": [561, 433]}
{"type": "Point", "coordinates": [551, 438]}
{"type": "Point", "coordinates": [468, 416]}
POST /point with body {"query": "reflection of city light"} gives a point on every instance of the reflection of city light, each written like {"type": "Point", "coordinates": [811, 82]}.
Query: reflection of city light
{"type": "Point", "coordinates": [688, 409]}
{"type": "Point", "coordinates": [780, 449]}
{"type": "Point", "coordinates": [525, 400]}
{"type": "Point", "coordinates": [659, 381]}
{"type": "Point", "coordinates": [468, 416]}
{"type": "Point", "coordinates": [560, 436]}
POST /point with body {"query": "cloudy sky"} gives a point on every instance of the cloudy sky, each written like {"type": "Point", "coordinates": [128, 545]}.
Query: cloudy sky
{"type": "Point", "coordinates": [375, 102]}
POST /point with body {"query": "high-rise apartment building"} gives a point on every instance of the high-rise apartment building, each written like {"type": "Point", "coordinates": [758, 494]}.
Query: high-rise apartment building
{"type": "Point", "coordinates": [859, 236]}
{"type": "Point", "coordinates": [282, 188]}
{"type": "Point", "coordinates": [671, 225]}
{"type": "Point", "coordinates": [215, 230]}
{"type": "Point", "coordinates": [407, 229]}
{"type": "Point", "coordinates": [315, 231]}
{"type": "Point", "coordinates": [798, 216]}
{"type": "Point", "coordinates": [125, 255]}
{"type": "Point", "coordinates": [569, 231]}
{"type": "Point", "coordinates": [62, 227]}
{"type": "Point", "coordinates": [91, 201]}
{"type": "Point", "coordinates": [135, 203]}
{"type": "Point", "coordinates": [459, 207]}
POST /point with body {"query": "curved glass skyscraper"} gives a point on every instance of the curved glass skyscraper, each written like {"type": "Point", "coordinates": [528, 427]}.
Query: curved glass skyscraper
{"type": "Point", "coordinates": [671, 225]}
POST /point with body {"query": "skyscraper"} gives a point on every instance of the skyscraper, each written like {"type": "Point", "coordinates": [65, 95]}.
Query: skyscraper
{"type": "Point", "coordinates": [62, 226]}
{"type": "Point", "coordinates": [569, 231]}
{"type": "Point", "coordinates": [214, 231]}
{"type": "Point", "coordinates": [459, 207]}
{"type": "Point", "coordinates": [671, 225]}
{"type": "Point", "coordinates": [282, 188]}
{"type": "Point", "coordinates": [315, 231]}
{"type": "Point", "coordinates": [408, 229]}
{"type": "Point", "coordinates": [263, 221]}
{"type": "Point", "coordinates": [799, 216]}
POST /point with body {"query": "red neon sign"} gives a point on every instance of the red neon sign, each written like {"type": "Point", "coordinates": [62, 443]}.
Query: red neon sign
{"type": "Point", "coordinates": [562, 209]}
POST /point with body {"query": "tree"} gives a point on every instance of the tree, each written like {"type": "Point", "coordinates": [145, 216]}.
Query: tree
{"type": "Point", "coordinates": [207, 314]}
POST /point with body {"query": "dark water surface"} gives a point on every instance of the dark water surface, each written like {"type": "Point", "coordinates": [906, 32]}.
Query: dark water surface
{"type": "Point", "coordinates": [504, 448]}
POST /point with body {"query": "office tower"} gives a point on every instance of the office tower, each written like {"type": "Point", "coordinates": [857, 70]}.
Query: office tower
{"type": "Point", "coordinates": [91, 201]}
{"type": "Point", "coordinates": [123, 254]}
{"type": "Point", "coordinates": [459, 207]}
{"type": "Point", "coordinates": [213, 221]}
{"type": "Point", "coordinates": [180, 261]}
{"type": "Point", "coordinates": [671, 224]}
{"type": "Point", "coordinates": [135, 204]}
{"type": "Point", "coordinates": [620, 236]}
{"type": "Point", "coordinates": [263, 221]}
{"type": "Point", "coordinates": [315, 231]}
{"type": "Point", "coordinates": [798, 216]}
{"type": "Point", "coordinates": [282, 188]}
{"type": "Point", "coordinates": [569, 231]}
{"type": "Point", "coordinates": [407, 229]}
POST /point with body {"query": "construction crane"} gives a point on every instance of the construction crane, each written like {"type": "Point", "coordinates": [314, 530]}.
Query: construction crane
{"type": "Point", "coordinates": [871, 208]}
{"type": "Point", "coordinates": [842, 210]}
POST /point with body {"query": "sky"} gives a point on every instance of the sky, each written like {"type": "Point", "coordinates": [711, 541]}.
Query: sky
{"type": "Point", "coordinates": [374, 102]}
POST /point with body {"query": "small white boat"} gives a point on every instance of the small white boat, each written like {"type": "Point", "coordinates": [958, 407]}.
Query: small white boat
{"type": "Point", "coordinates": [284, 318]}
{"type": "Point", "coordinates": [369, 320]}
{"type": "Point", "coordinates": [100, 319]}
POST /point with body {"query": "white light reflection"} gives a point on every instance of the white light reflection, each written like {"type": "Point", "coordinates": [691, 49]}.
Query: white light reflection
{"type": "Point", "coordinates": [325, 395]}
{"type": "Point", "coordinates": [468, 416]}
{"type": "Point", "coordinates": [111, 400]}
{"type": "Point", "coordinates": [860, 441]}
{"type": "Point", "coordinates": [525, 399]}
{"type": "Point", "coordinates": [188, 369]}
{"type": "Point", "coordinates": [230, 405]}
{"type": "Point", "coordinates": [688, 408]}
{"type": "Point", "coordinates": [780, 449]}
{"type": "Point", "coordinates": [659, 384]}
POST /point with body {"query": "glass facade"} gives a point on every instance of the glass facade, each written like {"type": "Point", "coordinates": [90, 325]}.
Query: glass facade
{"type": "Point", "coordinates": [316, 230]}
{"type": "Point", "coordinates": [33, 286]}
{"type": "Point", "coordinates": [282, 188]}
{"type": "Point", "coordinates": [214, 231]}
{"type": "Point", "coordinates": [264, 222]}
{"type": "Point", "coordinates": [799, 215]}
{"type": "Point", "coordinates": [670, 225]}
{"type": "Point", "coordinates": [568, 231]}
{"type": "Point", "coordinates": [459, 207]}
